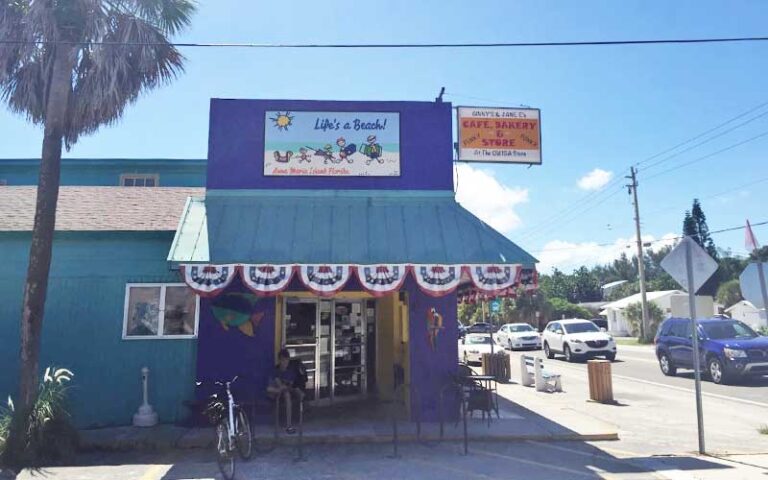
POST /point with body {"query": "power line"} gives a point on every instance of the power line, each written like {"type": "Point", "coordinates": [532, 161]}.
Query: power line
{"type": "Point", "coordinates": [666, 41]}
{"type": "Point", "coordinates": [713, 137]}
{"type": "Point", "coordinates": [646, 243]}
{"type": "Point", "coordinates": [696, 137]}
{"type": "Point", "coordinates": [704, 157]}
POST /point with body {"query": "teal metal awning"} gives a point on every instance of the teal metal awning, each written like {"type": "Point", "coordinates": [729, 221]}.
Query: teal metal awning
{"type": "Point", "coordinates": [344, 227]}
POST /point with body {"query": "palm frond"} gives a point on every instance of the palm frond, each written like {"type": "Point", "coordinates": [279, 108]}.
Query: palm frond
{"type": "Point", "coordinates": [110, 77]}
{"type": "Point", "coordinates": [170, 16]}
{"type": "Point", "coordinates": [121, 51]}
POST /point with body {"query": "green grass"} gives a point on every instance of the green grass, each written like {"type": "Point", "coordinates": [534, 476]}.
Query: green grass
{"type": "Point", "coordinates": [627, 340]}
{"type": "Point", "coordinates": [763, 429]}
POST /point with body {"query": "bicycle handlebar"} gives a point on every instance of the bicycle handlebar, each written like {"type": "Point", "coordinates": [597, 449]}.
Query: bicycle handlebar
{"type": "Point", "coordinates": [219, 382]}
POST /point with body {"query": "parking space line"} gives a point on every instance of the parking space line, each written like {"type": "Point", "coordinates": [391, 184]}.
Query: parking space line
{"type": "Point", "coordinates": [538, 464]}
{"type": "Point", "coordinates": [673, 387]}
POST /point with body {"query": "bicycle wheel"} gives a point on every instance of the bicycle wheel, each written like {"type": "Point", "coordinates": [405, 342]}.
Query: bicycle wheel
{"type": "Point", "coordinates": [225, 450]}
{"type": "Point", "coordinates": [243, 438]}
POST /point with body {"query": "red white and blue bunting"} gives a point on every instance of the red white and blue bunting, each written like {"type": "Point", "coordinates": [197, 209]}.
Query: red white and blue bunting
{"type": "Point", "coordinates": [493, 279]}
{"type": "Point", "coordinates": [437, 280]}
{"type": "Point", "coordinates": [324, 280]}
{"type": "Point", "coordinates": [380, 280]}
{"type": "Point", "coordinates": [486, 280]}
{"type": "Point", "coordinates": [528, 278]}
{"type": "Point", "coordinates": [208, 280]}
{"type": "Point", "coordinates": [267, 279]}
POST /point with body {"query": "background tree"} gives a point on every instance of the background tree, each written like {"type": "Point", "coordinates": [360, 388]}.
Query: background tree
{"type": "Point", "coordinates": [73, 67]}
{"type": "Point", "coordinates": [634, 315]}
{"type": "Point", "coordinates": [695, 226]}
{"type": "Point", "coordinates": [729, 293]}
{"type": "Point", "coordinates": [561, 308]}
{"type": "Point", "coordinates": [759, 255]}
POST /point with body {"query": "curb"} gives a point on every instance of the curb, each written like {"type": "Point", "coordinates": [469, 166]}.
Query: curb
{"type": "Point", "coordinates": [144, 445]}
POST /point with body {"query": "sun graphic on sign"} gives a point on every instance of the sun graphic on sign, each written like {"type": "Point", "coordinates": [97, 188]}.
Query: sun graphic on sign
{"type": "Point", "coordinates": [282, 120]}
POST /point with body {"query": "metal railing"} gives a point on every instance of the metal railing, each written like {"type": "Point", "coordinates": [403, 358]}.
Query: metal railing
{"type": "Point", "coordinates": [400, 405]}
{"type": "Point", "coordinates": [461, 395]}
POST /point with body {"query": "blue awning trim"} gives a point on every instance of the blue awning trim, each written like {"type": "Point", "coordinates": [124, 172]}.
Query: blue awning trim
{"type": "Point", "coordinates": [349, 227]}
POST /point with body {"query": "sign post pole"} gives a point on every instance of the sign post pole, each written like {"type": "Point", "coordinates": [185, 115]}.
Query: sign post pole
{"type": "Point", "coordinates": [695, 338]}
{"type": "Point", "coordinates": [763, 291]}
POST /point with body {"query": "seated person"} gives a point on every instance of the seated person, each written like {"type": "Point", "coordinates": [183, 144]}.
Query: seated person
{"type": "Point", "coordinates": [287, 382]}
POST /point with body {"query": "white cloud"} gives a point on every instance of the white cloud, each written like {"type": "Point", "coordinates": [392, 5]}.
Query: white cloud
{"type": "Point", "coordinates": [595, 180]}
{"type": "Point", "coordinates": [568, 256]}
{"type": "Point", "coordinates": [482, 194]}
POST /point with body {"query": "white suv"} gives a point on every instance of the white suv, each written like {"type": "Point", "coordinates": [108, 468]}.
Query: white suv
{"type": "Point", "coordinates": [576, 338]}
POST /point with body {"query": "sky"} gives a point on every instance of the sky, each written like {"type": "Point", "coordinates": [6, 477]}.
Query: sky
{"type": "Point", "coordinates": [602, 108]}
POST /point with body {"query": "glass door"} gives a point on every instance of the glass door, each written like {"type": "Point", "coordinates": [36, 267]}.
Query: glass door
{"type": "Point", "coordinates": [349, 332]}
{"type": "Point", "coordinates": [300, 338]}
{"type": "Point", "coordinates": [325, 351]}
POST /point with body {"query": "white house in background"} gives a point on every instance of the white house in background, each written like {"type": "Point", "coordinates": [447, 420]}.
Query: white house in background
{"type": "Point", "coordinates": [674, 303]}
{"type": "Point", "coordinates": [748, 313]}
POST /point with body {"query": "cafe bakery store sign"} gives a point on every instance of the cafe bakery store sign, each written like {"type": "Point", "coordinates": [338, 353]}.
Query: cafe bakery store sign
{"type": "Point", "coordinates": [500, 135]}
{"type": "Point", "coordinates": [332, 144]}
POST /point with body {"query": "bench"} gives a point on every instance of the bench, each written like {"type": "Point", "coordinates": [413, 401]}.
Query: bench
{"type": "Point", "coordinates": [532, 373]}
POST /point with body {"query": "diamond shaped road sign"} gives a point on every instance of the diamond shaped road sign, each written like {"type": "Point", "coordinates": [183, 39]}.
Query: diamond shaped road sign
{"type": "Point", "coordinates": [750, 284]}
{"type": "Point", "coordinates": [703, 265]}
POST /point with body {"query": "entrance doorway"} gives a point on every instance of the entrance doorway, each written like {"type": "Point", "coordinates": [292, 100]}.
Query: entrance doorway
{"type": "Point", "coordinates": [334, 339]}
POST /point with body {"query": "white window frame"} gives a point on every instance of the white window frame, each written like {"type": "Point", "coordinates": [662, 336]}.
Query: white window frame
{"type": "Point", "coordinates": [141, 176]}
{"type": "Point", "coordinates": [161, 313]}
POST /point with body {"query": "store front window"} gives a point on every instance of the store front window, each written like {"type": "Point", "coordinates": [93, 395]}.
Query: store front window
{"type": "Point", "coordinates": [159, 311]}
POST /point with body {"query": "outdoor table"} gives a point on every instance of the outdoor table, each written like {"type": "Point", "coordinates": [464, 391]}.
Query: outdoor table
{"type": "Point", "coordinates": [489, 383]}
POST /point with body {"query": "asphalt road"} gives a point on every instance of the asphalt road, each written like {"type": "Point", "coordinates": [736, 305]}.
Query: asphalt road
{"type": "Point", "coordinates": [640, 364]}
{"type": "Point", "coordinates": [515, 460]}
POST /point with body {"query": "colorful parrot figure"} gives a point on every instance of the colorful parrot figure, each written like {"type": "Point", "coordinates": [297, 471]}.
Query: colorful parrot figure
{"type": "Point", "coordinates": [434, 325]}
{"type": "Point", "coordinates": [237, 310]}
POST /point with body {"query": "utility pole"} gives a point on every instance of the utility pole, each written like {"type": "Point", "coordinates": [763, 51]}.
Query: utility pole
{"type": "Point", "coordinates": [632, 189]}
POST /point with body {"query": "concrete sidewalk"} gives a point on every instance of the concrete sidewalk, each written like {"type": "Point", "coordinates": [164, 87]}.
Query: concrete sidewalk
{"type": "Point", "coordinates": [516, 423]}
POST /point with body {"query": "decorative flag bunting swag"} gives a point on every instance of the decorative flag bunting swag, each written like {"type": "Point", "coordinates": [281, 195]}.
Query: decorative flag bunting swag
{"type": "Point", "coordinates": [208, 280]}
{"type": "Point", "coordinates": [437, 280]}
{"type": "Point", "coordinates": [493, 279]}
{"type": "Point", "coordinates": [267, 279]}
{"type": "Point", "coordinates": [324, 280]}
{"type": "Point", "coordinates": [528, 279]}
{"type": "Point", "coordinates": [379, 280]}
{"type": "Point", "coordinates": [487, 280]}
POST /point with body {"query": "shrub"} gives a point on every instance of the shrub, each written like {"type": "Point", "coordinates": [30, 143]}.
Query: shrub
{"type": "Point", "coordinates": [634, 315]}
{"type": "Point", "coordinates": [763, 331]}
{"type": "Point", "coordinates": [50, 438]}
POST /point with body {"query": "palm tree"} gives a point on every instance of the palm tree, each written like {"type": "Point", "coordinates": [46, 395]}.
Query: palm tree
{"type": "Point", "coordinates": [72, 66]}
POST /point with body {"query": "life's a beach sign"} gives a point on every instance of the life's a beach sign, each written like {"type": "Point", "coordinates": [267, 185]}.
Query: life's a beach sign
{"type": "Point", "coordinates": [331, 144]}
{"type": "Point", "coordinates": [499, 135]}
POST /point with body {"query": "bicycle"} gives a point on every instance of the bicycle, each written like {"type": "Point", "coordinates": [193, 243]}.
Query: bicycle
{"type": "Point", "coordinates": [233, 430]}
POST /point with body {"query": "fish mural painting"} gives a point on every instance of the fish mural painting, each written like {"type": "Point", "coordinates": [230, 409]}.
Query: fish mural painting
{"type": "Point", "coordinates": [434, 325]}
{"type": "Point", "coordinates": [237, 310]}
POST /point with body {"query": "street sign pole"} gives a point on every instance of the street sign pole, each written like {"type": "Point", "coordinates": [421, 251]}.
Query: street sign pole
{"type": "Point", "coordinates": [763, 291]}
{"type": "Point", "coordinates": [695, 338]}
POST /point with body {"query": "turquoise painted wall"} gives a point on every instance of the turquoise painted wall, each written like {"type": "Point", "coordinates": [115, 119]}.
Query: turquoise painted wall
{"type": "Point", "coordinates": [106, 172]}
{"type": "Point", "coordinates": [83, 325]}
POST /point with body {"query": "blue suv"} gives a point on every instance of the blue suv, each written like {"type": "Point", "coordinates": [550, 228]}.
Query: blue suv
{"type": "Point", "coordinates": [729, 349]}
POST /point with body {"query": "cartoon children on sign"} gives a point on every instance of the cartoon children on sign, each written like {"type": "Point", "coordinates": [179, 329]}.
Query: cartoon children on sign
{"type": "Point", "coordinates": [372, 150]}
{"type": "Point", "coordinates": [345, 151]}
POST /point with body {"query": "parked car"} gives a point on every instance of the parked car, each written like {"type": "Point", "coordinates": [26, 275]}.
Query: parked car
{"type": "Point", "coordinates": [728, 349]}
{"type": "Point", "coordinates": [481, 327]}
{"type": "Point", "coordinates": [518, 335]}
{"type": "Point", "coordinates": [462, 330]}
{"type": "Point", "coordinates": [601, 323]}
{"type": "Point", "coordinates": [473, 346]}
{"type": "Point", "coordinates": [577, 338]}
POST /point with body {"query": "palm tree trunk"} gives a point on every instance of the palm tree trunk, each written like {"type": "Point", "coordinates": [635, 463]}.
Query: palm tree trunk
{"type": "Point", "coordinates": [36, 286]}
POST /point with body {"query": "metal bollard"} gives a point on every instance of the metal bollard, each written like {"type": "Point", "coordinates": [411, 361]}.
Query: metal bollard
{"type": "Point", "coordinates": [300, 447]}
